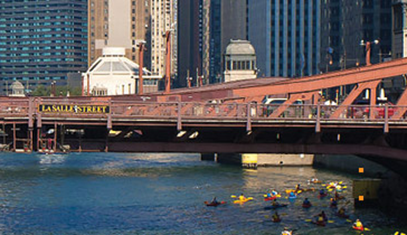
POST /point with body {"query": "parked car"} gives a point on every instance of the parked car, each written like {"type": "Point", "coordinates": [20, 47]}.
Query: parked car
{"type": "Point", "coordinates": [270, 104]}
{"type": "Point", "coordinates": [364, 109]}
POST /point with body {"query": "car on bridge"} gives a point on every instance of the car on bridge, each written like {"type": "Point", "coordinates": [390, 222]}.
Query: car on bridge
{"type": "Point", "coordinates": [270, 104]}
{"type": "Point", "coordinates": [364, 110]}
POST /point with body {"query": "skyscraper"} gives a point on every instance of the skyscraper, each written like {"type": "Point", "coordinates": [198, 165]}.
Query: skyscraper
{"type": "Point", "coordinates": [286, 36]}
{"type": "Point", "coordinates": [346, 23]}
{"type": "Point", "coordinates": [206, 28]}
{"type": "Point", "coordinates": [125, 23]}
{"type": "Point", "coordinates": [399, 28]}
{"type": "Point", "coordinates": [41, 41]}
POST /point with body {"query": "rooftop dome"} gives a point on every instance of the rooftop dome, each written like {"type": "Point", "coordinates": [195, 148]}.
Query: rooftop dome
{"type": "Point", "coordinates": [17, 86]}
{"type": "Point", "coordinates": [113, 62]}
{"type": "Point", "coordinates": [240, 47]}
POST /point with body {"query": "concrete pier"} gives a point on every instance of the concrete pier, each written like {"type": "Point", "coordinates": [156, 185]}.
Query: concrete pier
{"type": "Point", "coordinates": [254, 160]}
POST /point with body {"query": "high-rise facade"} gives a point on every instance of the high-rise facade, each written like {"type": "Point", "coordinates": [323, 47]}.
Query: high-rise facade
{"type": "Point", "coordinates": [286, 36]}
{"type": "Point", "coordinates": [41, 41]}
{"type": "Point", "coordinates": [206, 28]}
{"type": "Point", "coordinates": [346, 23]}
{"type": "Point", "coordinates": [399, 45]}
{"type": "Point", "coordinates": [125, 23]}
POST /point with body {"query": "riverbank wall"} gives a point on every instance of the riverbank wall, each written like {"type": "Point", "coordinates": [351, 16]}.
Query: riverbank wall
{"type": "Point", "coordinates": [392, 192]}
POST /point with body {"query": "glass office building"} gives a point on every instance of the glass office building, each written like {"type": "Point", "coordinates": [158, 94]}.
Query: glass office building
{"type": "Point", "coordinates": [41, 41]}
{"type": "Point", "coordinates": [286, 36]}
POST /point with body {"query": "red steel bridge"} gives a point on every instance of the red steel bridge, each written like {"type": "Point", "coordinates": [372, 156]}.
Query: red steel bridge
{"type": "Point", "coordinates": [219, 118]}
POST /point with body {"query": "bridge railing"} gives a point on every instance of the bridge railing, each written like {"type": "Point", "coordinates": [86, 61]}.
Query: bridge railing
{"type": "Point", "coordinates": [328, 112]}
{"type": "Point", "coordinates": [14, 108]}
{"type": "Point", "coordinates": [216, 111]}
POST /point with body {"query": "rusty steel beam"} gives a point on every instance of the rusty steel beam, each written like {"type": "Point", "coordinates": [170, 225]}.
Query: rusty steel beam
{"type": "Point", "coordinates": [354, 94]}
{"type": "Point", "coordinates": [291, 100]}
{"type": "Point", "coordinates": [269, 86]}
{"type": "Point", "coordinates": [330, 80]}
{"type": "Point", "coordinates": [401, 110]}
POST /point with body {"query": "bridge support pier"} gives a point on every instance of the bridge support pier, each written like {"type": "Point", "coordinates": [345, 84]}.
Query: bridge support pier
{"type": "Point", "coordinates": [207, 156]}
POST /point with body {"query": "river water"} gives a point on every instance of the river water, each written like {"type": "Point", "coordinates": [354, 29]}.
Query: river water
{"type": "Point", "coordinates": [123, 193]}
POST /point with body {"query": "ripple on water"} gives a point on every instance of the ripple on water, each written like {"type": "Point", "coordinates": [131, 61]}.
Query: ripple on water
{"type": "Point", "coordinates": [99, 193]}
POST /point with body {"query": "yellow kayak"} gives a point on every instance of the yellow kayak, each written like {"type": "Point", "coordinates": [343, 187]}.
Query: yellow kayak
{"type": "Point", "coordinates": [243, 201]}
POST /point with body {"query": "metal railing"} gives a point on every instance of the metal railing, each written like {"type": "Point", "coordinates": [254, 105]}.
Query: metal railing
{"type": "Point", "coordinates": [205, 111]}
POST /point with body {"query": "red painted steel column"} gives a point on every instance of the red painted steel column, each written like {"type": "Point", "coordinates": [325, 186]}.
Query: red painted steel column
{"type": "Point", "coordinates": [14, 137]}
{"type": "Point", "coordinates": [31, 140]}
{"type": "Point", "coordinates": [372, 103]}
{"type": "Point", "coordinates": [55, 137]}
{"type": "Point", "coordinates": [318, 121]}
{"type": "Point", "coordinates": [179, 122]}
{"type": "Point", "coordinates": [140, 69]}
{"type": "Point", "coordinates": [368, 49]}
{"type": "Point", "coordinates": [386, 118]}
{"type": "Point", "coordinates": [168, 63]}
{"type": "Point", "coordinates": [249, 118]}
{"type": "Point", "coordinates": [38, 139]}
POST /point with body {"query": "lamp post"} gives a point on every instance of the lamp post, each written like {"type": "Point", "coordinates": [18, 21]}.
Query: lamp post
{"type": "Point", "coordinates": [368, 46]}
{"type": "Point", "coordinates": [141, 46]}
{"type": "Point", "coordinates": [168, 62]}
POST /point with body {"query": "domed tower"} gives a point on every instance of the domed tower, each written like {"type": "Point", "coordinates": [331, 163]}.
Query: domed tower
{"type": "Point", "coordinates": [240, 61]}
{"type": "Point", "coordinates": [17, 89]}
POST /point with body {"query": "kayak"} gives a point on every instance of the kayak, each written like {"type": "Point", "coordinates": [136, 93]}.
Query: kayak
{"type": "Point", "coordinates": [320, 196]}
{"type": "Point", "coordinates": [292, 197]}
{"type": "Point", "coordinates": [242, 201]}
{"type": "Point", "coordinates": [358, 228]}
{"type": "Point", "coordinates": [306, 205]}
{"type": "Point", "coordinates": [298, 191]}
{"type": "Point", "coordinates": [214, 203]}
{"type": "Point", "coordinates": [275, 207]}
{"type": "Point", "coordinates": [276, 220]}
{"type": "Point", "coordinates": [271, 198]}
{"type": "Point", "coordinates": [319, 223]}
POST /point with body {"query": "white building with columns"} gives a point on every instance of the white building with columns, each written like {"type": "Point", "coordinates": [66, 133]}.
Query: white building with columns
{"type": "Point", "coordinates": [114, 74]}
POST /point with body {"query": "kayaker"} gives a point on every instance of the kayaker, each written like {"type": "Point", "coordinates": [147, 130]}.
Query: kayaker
{"type": "Point", "coordinates": [242, 197]}
{"type": "Point", "coordinates": [341, 212]}
{"type": "Point", "coordinates": [274, 192]}
{"type": "Point", "coordinates": [323, 216]}
{"type": "Point", "coordinates": [292, 195]}
{"type": "Point", "coordinates": [322, 192]}
{"type": "Point", "coordinates": [286, 232]}
{"type": "Point", "coordinates": [306, 202]}
{"type": "Point", "coordinates": [358, 225]}
{"type": "Point", "coordinates": [214, 201]}
{"type": "Point", "coordinates": [298, 187]}
{"type": "Point", "coordinates": [314, 180]}
{"type": "Point", "coordinates": [276, 217]}
{"type": "Point", "coordinates": [334, 203]}
{"type": "Point", "coordinates": [336, 195]}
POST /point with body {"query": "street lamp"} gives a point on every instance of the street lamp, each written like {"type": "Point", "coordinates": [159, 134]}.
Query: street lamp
{"type": "Point", "coordinates": [167, 36]}
{"type": "Point", "coordinates": [329, 52]}
{"type": "Point", "coordinates": [368, 49]}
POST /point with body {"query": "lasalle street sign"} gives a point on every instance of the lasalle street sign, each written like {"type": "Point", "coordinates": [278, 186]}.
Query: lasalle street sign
{"type": "Point", "coordinates": [67, 108]}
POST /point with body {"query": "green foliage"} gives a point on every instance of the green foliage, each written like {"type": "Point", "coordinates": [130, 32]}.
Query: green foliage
{"type": "Point", "coordinates": [59, 91]}
{"type": "Point", "coordinates": [41, 91]}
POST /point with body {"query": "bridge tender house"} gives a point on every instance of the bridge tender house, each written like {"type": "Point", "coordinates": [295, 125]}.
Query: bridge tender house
{"type": "Point", "coordinates": [90, 109]}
